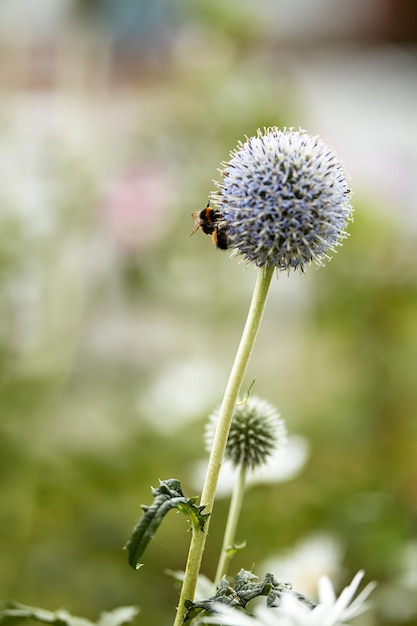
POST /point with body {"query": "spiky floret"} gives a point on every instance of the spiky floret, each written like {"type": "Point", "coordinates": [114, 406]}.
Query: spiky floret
{"type": "Point", "coordinates": [284, 199]}
{"type": "Point", "coordinates": [257, 430]}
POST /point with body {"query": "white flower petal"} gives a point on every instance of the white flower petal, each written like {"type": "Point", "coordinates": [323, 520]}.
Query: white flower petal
{"type": "Point", "coordinates": [326, 591]}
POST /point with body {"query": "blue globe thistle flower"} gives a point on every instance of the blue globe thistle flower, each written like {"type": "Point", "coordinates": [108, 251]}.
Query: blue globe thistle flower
{"type": "Point", "coordinates": [284, 199]}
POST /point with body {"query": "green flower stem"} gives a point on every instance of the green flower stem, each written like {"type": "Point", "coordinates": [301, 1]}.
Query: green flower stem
{"type": "Point", "coordinates": [231, 525]}
{"type": "Point", "coordinates": [198, 539]}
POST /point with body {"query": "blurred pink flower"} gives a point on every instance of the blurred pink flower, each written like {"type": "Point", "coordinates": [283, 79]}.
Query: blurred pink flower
{"type": "Point", "coordinates": [135, 209]}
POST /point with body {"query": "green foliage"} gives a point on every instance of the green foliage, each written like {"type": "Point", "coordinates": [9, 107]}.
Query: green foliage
{"type": "Point", "coordinates": [245, 588]}
{"type": "Point", "coordinates": [167, 496]}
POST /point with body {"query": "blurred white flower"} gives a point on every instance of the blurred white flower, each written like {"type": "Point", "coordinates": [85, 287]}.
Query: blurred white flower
{"type": "Point", "coordinates": [284, 464]}
{"type": "Point", "coordinates": [330, 611]}
{"type": "Point", "coordinates": [179, 394]}
{"type": "Point", "coordinates": [311, 558]}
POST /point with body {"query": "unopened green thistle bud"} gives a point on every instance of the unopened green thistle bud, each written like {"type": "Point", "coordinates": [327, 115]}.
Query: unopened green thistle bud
{"type": "Point", "coordinates": [283, 200]}
{"type": "Point", "coordinates": [256, 432]}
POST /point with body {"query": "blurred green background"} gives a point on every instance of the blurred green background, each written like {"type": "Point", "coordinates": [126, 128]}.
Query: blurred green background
{"type": "Point", "coordinates": [118, 331]}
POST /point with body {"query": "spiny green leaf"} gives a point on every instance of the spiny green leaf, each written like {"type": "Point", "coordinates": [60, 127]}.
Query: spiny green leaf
{"type": "Point", "coordinates": [245, 588]}
{"type": "Point", "coordinates": [167, 496]}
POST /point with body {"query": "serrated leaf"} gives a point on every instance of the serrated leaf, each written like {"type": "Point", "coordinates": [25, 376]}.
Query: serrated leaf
{"type": "Point", "coordinates": [167, 496]}
{"type": "Point", "coordinates": [246, 587]}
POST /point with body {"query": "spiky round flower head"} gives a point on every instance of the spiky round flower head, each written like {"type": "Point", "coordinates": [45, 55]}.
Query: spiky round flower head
{"type": "Point", "coordinates": [257, 430]}
{"type": "Point", "coordinates": [284, 199]}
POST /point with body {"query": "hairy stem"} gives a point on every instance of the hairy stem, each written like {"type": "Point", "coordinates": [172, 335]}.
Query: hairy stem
{"type": "Point", "coordinates": [237, 373]}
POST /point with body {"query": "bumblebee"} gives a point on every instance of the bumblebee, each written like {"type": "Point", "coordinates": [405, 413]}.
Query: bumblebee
{"type": "Point", "coordinates": [208, 221]}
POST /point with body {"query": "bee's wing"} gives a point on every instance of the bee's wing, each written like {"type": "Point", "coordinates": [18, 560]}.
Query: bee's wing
{"type": "Point", "coordinates": [197, 221]}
